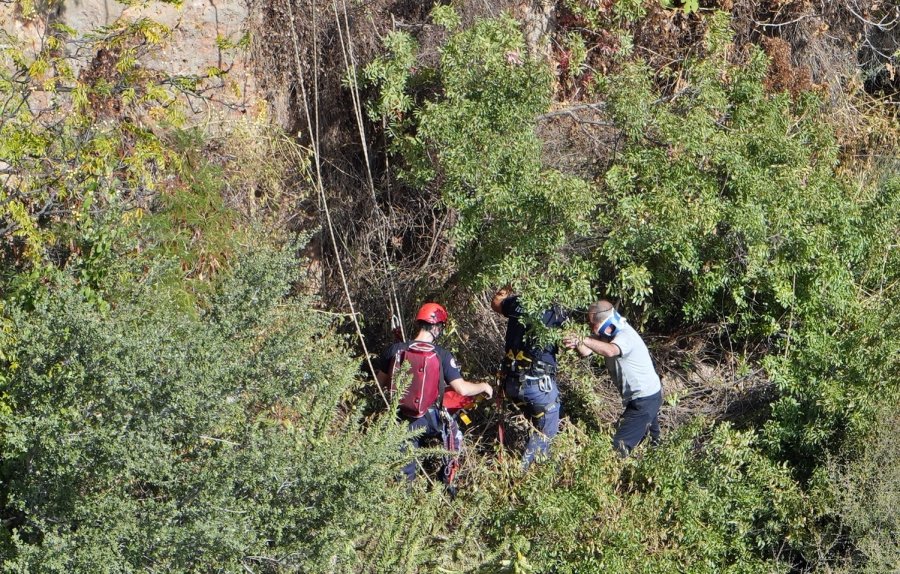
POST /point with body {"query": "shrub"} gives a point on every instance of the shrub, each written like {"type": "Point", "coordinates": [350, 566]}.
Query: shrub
{"type": "Point", "coordinates": [708, 500]}
{"type": "Point", "coordinates": [864, 499]}
{"type": "Point", "coordinates": [137, 436]}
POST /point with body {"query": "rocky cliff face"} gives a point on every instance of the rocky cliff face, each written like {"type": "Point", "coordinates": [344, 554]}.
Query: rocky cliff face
{"type": "Point", "coordinates": [202, 35]}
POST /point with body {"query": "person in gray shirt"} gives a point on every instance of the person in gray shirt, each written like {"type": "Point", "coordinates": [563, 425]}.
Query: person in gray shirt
{"type": "Point", "coordinates": [631, 368]}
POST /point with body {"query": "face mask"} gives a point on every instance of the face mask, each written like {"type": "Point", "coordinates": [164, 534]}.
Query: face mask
{"type": "Point", "coordinates": [614, 320]}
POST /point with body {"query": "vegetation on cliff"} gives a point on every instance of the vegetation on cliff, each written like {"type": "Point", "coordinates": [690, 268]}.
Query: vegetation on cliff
{"type": "Point", "coordinates": [181, 387]}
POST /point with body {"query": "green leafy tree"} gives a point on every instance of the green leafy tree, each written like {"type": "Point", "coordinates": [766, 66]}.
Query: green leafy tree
{"type": "Point", "coordinates": [729, 205]}
{"type": "Point", "coordinates": [471, 138]}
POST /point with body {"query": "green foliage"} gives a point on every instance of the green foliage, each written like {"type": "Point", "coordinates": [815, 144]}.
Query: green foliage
{"type": "Point", "coordinates": [619, 12]}
{"type": "Point", "coordinates": [577, 51]}
{"type": "Point", "coordinates": [143, 430]}
{"type": "Point", "coordinates": [707, 501]}
{"type": "Point", "coordinates": [842, 369]}
{"type": "Point", "coordinates": [474, 142]}
{"type": "Point", "coordinates": [630, 10]}
{"type": "Point", "coordinates": [392, 73]}
{"type": "Point", "coordinates": [864, 496]}
{"type": "Point", "coordinates": [164, 405]}
{"type": "Point", "coordinates": [728, 204]}
{"type": "Point", "coordinates": [725, 204]}
{"type": "Point", "coordinates": [191, 221]}
{"type": "Point", "coordinates": [843, 364]}
{"type": "Point", "coordinates": [688, 6]}
{"type": "Point", "coordinates": [137, 436]}
{"type": "Point", "coordinates": [90, 144]}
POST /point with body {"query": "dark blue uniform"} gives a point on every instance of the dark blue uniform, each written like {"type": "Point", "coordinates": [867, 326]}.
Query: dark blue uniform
{"type": "Point", "coordinates": [435, 423]}
{"type": "Point", "coordinates": [529, 375]}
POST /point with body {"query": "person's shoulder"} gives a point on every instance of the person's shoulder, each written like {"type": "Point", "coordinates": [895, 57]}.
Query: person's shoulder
{"type": "Point", "coordinates": [555, 316]}
{"type": "Point", "coordinates": [632, 332]}
{"type": "Point", "coordinates": [442, 351]}
{"type": "Point", "coordinates": [387, 356]}
{"type": "Point", "coordinates": [511, 307]}
{"type": "Point", "coordinates": [447, 357]}
{"type": "Point", "coordinates": [396, 346]}
{"type": "Point", "coordinates": [627, 336]}
{"type": "Point", "coordinates": [626, 330]}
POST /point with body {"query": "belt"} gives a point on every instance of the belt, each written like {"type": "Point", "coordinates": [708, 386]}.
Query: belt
{"type": "Point", "coordinates": [531, 381]}
{"type": "Point", "coordinates": [529, 368]}
{"type": "Point", "coordinates": [544, 382]}
{"type": "Point", "coordinates": [542, 368]}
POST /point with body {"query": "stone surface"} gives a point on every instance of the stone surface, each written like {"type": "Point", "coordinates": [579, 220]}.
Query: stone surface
{"type": "Point", "coordinates": [190, 49]}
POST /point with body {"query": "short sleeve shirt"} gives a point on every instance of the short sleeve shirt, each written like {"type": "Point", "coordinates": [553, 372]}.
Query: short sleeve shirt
{"type": "Point", "coordinates": [633, 370]}
{"type": "Point", "coordinates": [517, 336]}
{"type": "Point", "coordinates": [449, 366]}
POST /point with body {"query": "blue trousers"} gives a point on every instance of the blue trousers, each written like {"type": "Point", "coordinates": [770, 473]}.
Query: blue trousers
{"type": "Point", "coordinates": [435, 427]}
{"type": "Point", "coordinates": [641, 417]}
{"type": "Point", "coordinates": [540, 403]}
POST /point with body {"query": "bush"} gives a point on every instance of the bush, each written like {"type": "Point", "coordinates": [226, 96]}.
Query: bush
{"type": "Point", "coordinates": [138, 436]}
{"type": "Point", "coordinates": [471, 138]}
{"type": "Point", "coordinates": [708, 500]}
{"type": "Point", "coordinates": [865, 498]}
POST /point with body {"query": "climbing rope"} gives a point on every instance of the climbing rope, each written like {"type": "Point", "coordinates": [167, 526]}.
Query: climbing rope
{"type": "Point", "coordinates": [314, 138]}
{"type": "Point", "coordinates": [313, 134]}
{"type": "Point", "coordinates": [351, 67]}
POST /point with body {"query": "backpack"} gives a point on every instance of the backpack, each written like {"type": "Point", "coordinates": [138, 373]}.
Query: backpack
{"type": "Point", "coordinates": [422, 362]}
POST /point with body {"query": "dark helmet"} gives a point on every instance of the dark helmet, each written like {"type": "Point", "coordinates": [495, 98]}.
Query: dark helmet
{"type": "Point", "coordinates": [432, 313]}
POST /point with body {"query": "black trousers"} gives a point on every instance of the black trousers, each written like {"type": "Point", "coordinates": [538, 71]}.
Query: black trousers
{"type": "Point", "coordinates": [641, 417]}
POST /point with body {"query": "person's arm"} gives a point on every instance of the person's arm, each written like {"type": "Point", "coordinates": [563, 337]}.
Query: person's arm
{"type": "Point", "coordinates": [453, 374]}
{"type": "Point", "coordinates": [382, 365]}
{"type": "Point", "coordinates": [589, 345]}
{"type": "Point", "coordinates": [573, 341]}
{"type": "Point", "coordinates": [468, 389]}
{"type": "Point", "coordinates": [600, 347]}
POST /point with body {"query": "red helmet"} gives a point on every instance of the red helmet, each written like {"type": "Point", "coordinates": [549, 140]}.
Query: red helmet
{"type": "Point", "coordinates": [432, 313]}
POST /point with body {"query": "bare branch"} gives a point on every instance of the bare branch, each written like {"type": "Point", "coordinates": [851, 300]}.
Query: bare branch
{"type": "Point", "coordinates": [598, 107]}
